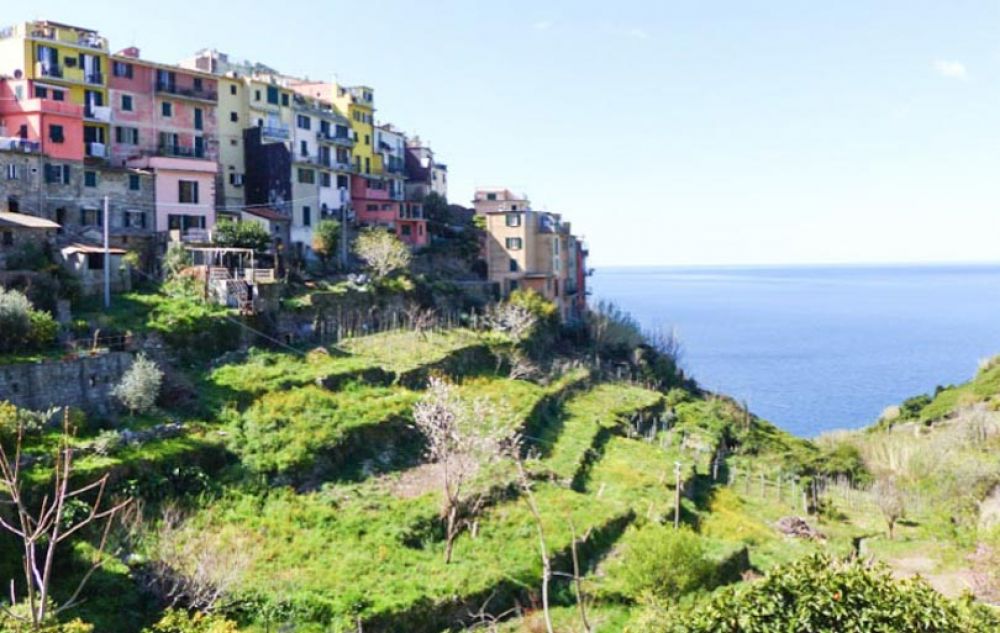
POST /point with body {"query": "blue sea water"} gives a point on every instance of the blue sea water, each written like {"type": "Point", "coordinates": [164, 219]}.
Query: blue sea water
{"type": "Point", "coordinates": [818, 348]}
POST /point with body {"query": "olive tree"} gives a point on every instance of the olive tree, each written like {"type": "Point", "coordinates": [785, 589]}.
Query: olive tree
{"type": "Point", "coordinates": [140, 385]}
{"type": "Point", "coordinates": [382, 252]}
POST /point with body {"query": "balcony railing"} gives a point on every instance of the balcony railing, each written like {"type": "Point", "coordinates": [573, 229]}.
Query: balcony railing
{"type": "Point", "coordinates": [18, 144]}
{"type": "Point", "coordinates": [180, 151]}
{"type": "Point", "coordinates": [50, 70]}
{"type": "Point", "coordinates": [94, 78]}
{"type": "Point", "coordinates": [98, 113]}
{"type": "Point", "coordinates": [274, 131]}
{"type": "Point", "coordinates": [84, 40]}
{"type": "Point", "coordinates": [191, 93]}
{"type": "Point", "coordinates": [337, 139]}
{"type": "Point", "coordinates": [96, 150]}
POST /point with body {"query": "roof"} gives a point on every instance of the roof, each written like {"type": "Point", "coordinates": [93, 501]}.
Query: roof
{"type": "Point", "coordinates": [268, 213]}
{"type": "Point", "coordinates": [91, 249]}
{"type": "Point", "coordinates": [23, 221]}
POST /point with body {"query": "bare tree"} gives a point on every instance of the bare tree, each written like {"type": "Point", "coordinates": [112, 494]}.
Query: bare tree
{"type": "Point", "coordinates": [195, 570]}
{"type": "Point", "coordinates": [43, 527]}
{"type": "Point", "coordinates": [526, 488]}
{"type": "Point", "coordinates": [382, 251]}
{"type": "Point", "coordinates": [462, 438]}
{"type": "Point", "coordinates": [891, 502]}
{"type": "Point", "coordinates": [514, 324]}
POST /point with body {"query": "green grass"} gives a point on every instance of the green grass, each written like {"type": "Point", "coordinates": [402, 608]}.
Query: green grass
{"type": "Point", "coordinates": [404, 350]}
{"type": "Point", "coordinates": [584, 415]}
{"type": "Point", "coordinates": [984, 386]}
{"type": "Point", "coordinates": [637, 475]}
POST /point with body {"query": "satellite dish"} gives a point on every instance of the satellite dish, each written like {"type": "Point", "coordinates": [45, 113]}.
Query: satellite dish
{"type": "Point", "coordinates": [18, 73]}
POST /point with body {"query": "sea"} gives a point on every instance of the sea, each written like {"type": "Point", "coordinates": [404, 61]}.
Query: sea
{"type": "Point", "coordinates": [818, 348]}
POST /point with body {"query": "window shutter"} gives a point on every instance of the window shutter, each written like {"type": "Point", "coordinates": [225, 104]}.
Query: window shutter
{"type": "Point", "coordinates": [65, 174]}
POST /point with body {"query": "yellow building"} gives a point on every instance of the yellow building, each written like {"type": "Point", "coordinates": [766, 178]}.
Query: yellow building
{"type": "Point", "coordinates": [358, 104]}
{"type": "Point", "coordinates": [73, 60]}
{"type": "Point", "coordinates": [233, 115]}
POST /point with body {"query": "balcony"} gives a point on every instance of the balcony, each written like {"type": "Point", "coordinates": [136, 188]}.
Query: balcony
{"type": "Point", "coordinates": [179, 151]}
{"type": "Point", "coordinates": [94, 78]}
{"type": "Point", "coordinates": [312, 159]}
{"type": "Point", "coordinates": [96, 150]}
{"type": "Point", "coordinates": [189, 93]}
{"type": "Point", "coordinates": [70, 36]}
{"type": "Point", "coordinates": [101, 114]}
{"type": "Point", "coordinates": [336, 139]}
{"type": "Point", "coordinates": [280, 132]}
{"type": "Point", "coordinates": [18, 144]}
{"type": "Point", "coordinates": [53, 71]}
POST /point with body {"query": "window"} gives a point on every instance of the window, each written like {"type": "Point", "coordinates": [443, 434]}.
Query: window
{"type": "Point", "coordinates": [90, 179]}
{"type": "Point", "coordinates": [307, 177]}
{"type": "Point", "coordinates": [303, 148]}
{"type": "Point", "coordinates": [304, 122]}
{"type": "Point", "coordinates": [514, 243]}
{"type": "Point", "coordinates": [199, 146]}
{"type": "Point", "coordinates": [8, 238]}
{"type": "Point", "coordinates": [513, 219]}
{"type": "Point", "coordinates": [134, 219]}
{"type": "Point", "coordinates": [368, 140]}
{"type": "Point", "coordinates": [187, 192]}
{"type": "Point", "coordinates": [236, 180]}
{"type": "Point", "coordinates": [491, 196]}
{"type": "Point", "coordinates": [272, 95]}
{"type": "Point", "coordinates": [121, 69]}
{"type": "Point", "coordinates": [13, 204]}
{"type": "Point", "coordinates": [306, 216]}
{"type": "Point", "coordinates": [407, 230]}
{"type": "Point", "coordinates": [58, 95]}
{"type": "Point", "coordinates": [256, 95]}
{"type": "Point", "coordinates": [95, 261]}
{"type": "Point", "coordinates": [372, 207]}
{"type": "Point", "coordinates": [57, 174]}
{"type": "Point", "coordinates": [126, 135]}
{"type": "Point", "coordinates": [341, 181]}
{"type": "Point", "coordinates": [234, 117]}
{"type": "Point", "coordinates": [12, 172]}
{"type": "Point", "coordinates": [41, 92]}
{"type": "Point", "coordinates": [198, 84]}
{"type": "Point", "coordinates": [513, 265]}
{"type": "Point", "coordinates": [167, 109]}
{"type": "Point", "coordinates": [91, 217]}
{"type": "Point", "coordinates": [56, 134]}
{"type": "Point", "coordinates": [134, 182]}
{"type": "Point", "coordinates": [127, 103]}
{"type": "Point", "coordinates": [513, 207]}
{"type": "Point", "coordinates": [368, 165]}
{"type": "Point", "coordinates": [199, 119]}
{"type": "Point", "coordinates": [232, 89]}
{"type": "Point", "coordinates": [325, 180]}
{"type": "Point", "coordinates": [284, 99]}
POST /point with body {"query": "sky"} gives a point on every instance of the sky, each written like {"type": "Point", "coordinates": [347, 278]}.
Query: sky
{"type": "Point", "coordinates": [670, 132]}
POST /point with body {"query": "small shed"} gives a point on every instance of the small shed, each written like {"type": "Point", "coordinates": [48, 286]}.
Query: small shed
{"type": "Point", "coordinates": [18, 229]}
{"type": "Point", "coordinates": [86, 261]}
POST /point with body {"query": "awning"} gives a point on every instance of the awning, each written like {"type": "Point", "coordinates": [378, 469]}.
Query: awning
{"type": "Point", "coordinates": [24, 221]}
{"type": "Point", "coordinates": [91, 249]}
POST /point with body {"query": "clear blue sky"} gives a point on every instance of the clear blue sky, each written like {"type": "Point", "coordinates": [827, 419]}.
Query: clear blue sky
{"type": "Point", "coordinates": [669, 132]}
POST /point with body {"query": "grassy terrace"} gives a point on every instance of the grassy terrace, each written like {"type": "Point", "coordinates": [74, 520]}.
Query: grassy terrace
{"type": "Point", "coordinates": [584, 417]}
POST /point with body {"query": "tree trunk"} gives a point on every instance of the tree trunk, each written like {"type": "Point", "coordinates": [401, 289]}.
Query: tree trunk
{"type": "Point", "coordinates": [451, 531]}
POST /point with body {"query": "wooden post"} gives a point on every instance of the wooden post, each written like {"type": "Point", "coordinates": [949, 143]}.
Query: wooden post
{"type": "Point", "coordinates": [677, 495]}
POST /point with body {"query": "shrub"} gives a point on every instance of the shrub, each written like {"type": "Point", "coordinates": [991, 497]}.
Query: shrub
{"type": "Point", "coordinates": [664, 562]}
{"type": "Point", "coordinates": [140, 385]}
{"type": "Point", "coordinates": [179, 621]}
{"type": "Point", "coordinates": [820, 594]}
{"type": "Point", "coordinates": [325, 238]}
{"type": "Point", "coordinates": [22, 327]}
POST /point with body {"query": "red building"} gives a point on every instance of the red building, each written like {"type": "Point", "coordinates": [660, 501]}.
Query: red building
{"type": "Point", "coordinates": [40, 124]}
{"type": "Point", "coordinates": [374, 206]}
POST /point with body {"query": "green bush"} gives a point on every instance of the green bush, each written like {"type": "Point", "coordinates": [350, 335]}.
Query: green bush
{"type": "Point", "coordinates": [821, 594]}
{"type": "Point", "coordinates": [664, 562]}
{"type": "Point", "coordinates": [242, 235]}
{"type": "Point", "coordinates": [22, 327]}
{"type": "Point", "coordinates": [178, 621]}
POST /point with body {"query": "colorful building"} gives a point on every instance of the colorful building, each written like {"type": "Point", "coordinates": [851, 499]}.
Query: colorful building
{"type": "Point", "coordinates": [424, 174]}
{"type": "Point", "coordinates": [165, 121]}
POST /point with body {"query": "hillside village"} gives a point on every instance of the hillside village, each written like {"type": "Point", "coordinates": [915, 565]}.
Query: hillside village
{"type": "Point", "coordinates": [321, 397]}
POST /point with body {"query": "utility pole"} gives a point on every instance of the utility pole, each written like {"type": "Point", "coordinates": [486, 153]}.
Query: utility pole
{"type": "Point", "coordinates": [107, 255]}
{"type": "Point", "coordinates": [677, 495]}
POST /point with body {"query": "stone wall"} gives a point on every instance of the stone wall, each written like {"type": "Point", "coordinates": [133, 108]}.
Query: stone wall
{"type": "Point", "coordinates": [85, 382]}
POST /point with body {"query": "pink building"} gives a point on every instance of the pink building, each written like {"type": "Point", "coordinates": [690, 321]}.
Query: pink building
{"type": "Point", "coordinates": [39, 124]}
{"type": "Point", "coordinates": [164, 119]}
{"type": "Point", "coordinates": [374, 206]}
